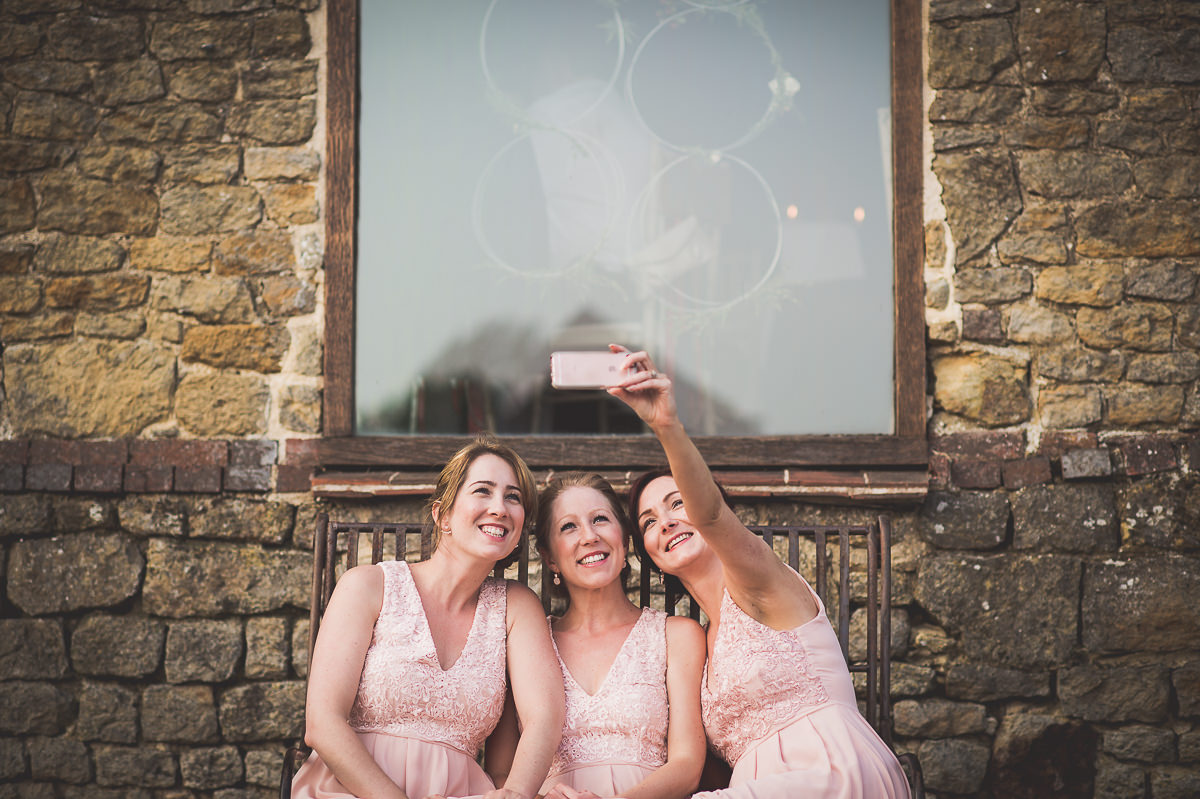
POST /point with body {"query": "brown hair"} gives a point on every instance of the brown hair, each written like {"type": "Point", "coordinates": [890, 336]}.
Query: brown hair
{"type": "Point", "coordinates": [554, 489]}
{"type": "Point", "coordinates": [454, 474]}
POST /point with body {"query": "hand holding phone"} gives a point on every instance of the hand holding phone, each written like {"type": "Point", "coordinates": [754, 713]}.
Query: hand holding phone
{"type": "Point", "coordinates": [587, 369]}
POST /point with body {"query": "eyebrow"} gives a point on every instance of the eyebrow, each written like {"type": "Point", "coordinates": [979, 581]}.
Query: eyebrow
{"type": "Point", "coordinates": [666, 496]}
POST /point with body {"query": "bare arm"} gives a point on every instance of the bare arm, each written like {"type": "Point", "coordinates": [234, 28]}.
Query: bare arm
{"type": "Point", "coordinates": [345, 635]}
{"type": "Point", "coordinates": [757, 580]}
{"type": "Point", "coordinates": [502, 743]}
{"type": "Point", "coordinates": [537, 692]}
{"type": "Point", "coordinates": [679, 776]}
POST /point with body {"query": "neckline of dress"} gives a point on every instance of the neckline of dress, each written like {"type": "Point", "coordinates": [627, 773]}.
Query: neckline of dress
{"type": "Point", "coordinates": [428, 631]}
{"type": "Point", "coordinates": [611, 667]}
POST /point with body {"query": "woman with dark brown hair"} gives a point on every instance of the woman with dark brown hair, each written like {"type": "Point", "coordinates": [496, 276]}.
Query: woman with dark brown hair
{"type": "Point", "coordinates": [409, 671]}
{"type": "Point", "coordinates": [777, 699]}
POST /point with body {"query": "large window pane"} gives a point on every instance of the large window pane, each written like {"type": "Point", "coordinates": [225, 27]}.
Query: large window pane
{"type": "Point", "coordinates": [707, 180]}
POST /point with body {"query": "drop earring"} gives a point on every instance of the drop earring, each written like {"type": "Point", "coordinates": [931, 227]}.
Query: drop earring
{"type": "Point", "coordinates": [557, 580]}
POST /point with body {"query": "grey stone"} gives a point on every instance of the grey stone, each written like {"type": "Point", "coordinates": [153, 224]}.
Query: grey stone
{"type": "Point", "coordinates": [1060, 41]}
{"type": "Point", "coordinates": [34, 708]}
{"type": "Point", "coordinates": [245, 519]}
{"type": "Point", "coordinates": [262, 766]}
{"type": "Point", "coordinates": [991, 104]}
{"type": "Point", "coordinates": [1141, 743]}
{"type": "Point", "coordinates": [1157, 56]}
{"type": "Point", "coordinates": [1153, 515]}
{"type": "Point", "coordinates": [1080, 365]}
{"type": "Point", "coordinates": [953, 765]}
{"type": "Point", "coordinates": [1147, 229]}
{"type": "Point", "coordinates": [13, 762]}
{"type": "Point", "coordinates": [273, 122]}
{"type": "Point", "coordinates": [947, 138]}
{"type": "Point", "coordinates": [75, 514]}
{"type": "Point", "coordinates": [300, 409]}
{"type": "Point", "coordinates": [1065, 518]}
{"type": "Point", "coordinates": [129, 82]}
{"type": "Point", "coordinates": [211, 767]}
{"type": "Point", "coordinates": [58, 760]}
{"type": "Point", "coordinates": [911, 680]}
{"type": "Point", "coordinates": [938, 718]}
{"type": "Point", "coordinates": [1083, 463]}
{"type": "Point", "coordinates": [143, 766]}
{"type": "Point", "coordinates": [1169, 367]}
{"type": "Point", "coordinates": [994, 285]}
{"type": "Point", "coordinates": [24, 514]}
{"type": "Point", "coordinates": [1186, 681]}
{"type": "Point", "coordinates": [179, 713]}
{"type": "Point", "coordinates": [1171, 281]}
{"type": "Point", "coordinates": [61, 77]}
{"type": "Point", "coordinates": [1174, 782]}
{"type": "Point", "coordinates": [203, 163]}
{"type": "Point", "coordinates": [1139, 326]}
{"type": "Point", "coordinates": [1063, 100]}
{"type": "Point", "coordinates": [1135, 404]}
{"type": "Point", "coordinates": [965, 520]}
{"type": "Point", "coordinates": [39, 115]}
{"type": "Point", "coordinates": [1142, 604]}
{"type": "Point", "coordinates": [981, 196]}
{"type": "Point", "coordinates": [107, 712]}
{"type": "Point", "coordinates": [208, 579]}
{"type": "Point", "coordinates": [281, 163]}
{"type": "Point", "coordinates": [263, 711]}
{"type": "Point", "coordinates": [32, 649]}
{"type": "Point", "coordinates": [1074, 173]}
{"type": "Point", "coordinates": [88, 570]}
{"type": "Point", "coordinates": [204, 651]}
{"type": "Point", "coordinates": [202, 40]}
{"type": "Point", "coordinates": [1040, 753]}
{"type": "Point", "coordinates": [972, 52]}
{"type": "Point", "coordinates": [1115, 693]}
{"type": "Point", "coordinates": [82, 37]}
{"type": "Point", "coordinates": [1012, 611]}
{"type": "Point", "coordinates": [1033, 324]}
{"type": "Point", "coordinates": [1117, 780]}
{"type": "Point", "coordinates": [978, 682]}
{"type": "Point", "coordinates": [267, 647]}
{"type": "Point", "coordinates": [153, 514]}
{"type": "Point", "coordinates": [119, 646]}
{"type": "Point", "coordinates": [1040, 234]}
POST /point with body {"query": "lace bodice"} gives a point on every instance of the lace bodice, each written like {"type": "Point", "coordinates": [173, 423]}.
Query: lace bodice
{"type": "Point", "coordinates": [625, 721]}
{"type": "Point", "coordinates": [757, 679]}
{"type": "Point", "coordinates": [404, 691]}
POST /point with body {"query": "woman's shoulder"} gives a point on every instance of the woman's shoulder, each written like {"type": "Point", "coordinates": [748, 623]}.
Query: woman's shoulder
{"type": "Point", "coordinates": [683, 631]}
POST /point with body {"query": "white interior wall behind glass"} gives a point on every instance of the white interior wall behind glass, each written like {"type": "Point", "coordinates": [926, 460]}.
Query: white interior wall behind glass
{"type": "Point", "coordinates": [706, 180]}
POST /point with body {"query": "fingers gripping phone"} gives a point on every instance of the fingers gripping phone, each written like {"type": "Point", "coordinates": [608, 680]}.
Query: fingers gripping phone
{"type": "Point", "coordinates": [587, 369]}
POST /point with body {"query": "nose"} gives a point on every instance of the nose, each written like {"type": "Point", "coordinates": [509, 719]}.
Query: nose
{"type": "Point", "coordinates": [588, 534]}
{"type": "Point", "coordinates": [497, 506]}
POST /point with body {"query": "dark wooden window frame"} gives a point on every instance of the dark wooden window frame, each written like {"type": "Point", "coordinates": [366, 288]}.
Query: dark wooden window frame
{"type": "Point", "coordinates": [825, 458]}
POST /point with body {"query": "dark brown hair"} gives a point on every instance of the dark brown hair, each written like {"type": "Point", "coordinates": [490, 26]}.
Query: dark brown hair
{"type": "Point", "coordinates": [636, 489]}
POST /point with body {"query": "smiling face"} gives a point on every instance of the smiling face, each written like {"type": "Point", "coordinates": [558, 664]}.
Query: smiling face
{"type": "Point", "coordinates": [584, 539]}
{"type": "Point", "coordinates": [487, 514]}
{"type": "Point", "coordinates": [668, 535]}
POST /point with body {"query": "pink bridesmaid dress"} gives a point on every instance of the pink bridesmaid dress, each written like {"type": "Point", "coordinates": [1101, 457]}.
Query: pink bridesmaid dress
{"type": "Point", "coordinates": [422, 724]}
{"type": "Point", "coordinates": [779, 706]}
{"type": "Point", "coordinates": [615, 738]}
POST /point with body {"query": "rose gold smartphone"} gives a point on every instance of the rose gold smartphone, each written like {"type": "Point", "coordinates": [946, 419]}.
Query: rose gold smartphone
{"type": "Point", "coordinates": [587, 369]}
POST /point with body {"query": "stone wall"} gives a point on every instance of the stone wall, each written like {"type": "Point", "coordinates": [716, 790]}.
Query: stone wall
{"type": "Point", "coordinates": [161, 318]}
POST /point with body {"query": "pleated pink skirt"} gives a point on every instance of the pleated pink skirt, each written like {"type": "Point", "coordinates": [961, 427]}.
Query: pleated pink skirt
{"type": "Point", "coordinates": [420, 768]}
{"type": "Point", "coordinates": [602, 779]}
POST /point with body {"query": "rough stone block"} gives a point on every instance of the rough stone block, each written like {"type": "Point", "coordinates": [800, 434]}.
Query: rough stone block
{"type": "Point", "coordinates": [203, 651]}
{"type": "Point", "coordinates": [223, 404]}
{"type": "Point", "coordinates": [48, 477]}
{"type": "Point", "coordinates": [1066, 518]}
{"type": "Point", "coordinates": [1186, 681]}
{"type": "Point", "coordinates": [938, 718]}
{"type": "Point", "coordinates": [1145, 604]}
{"type": "Point", "coordinates": [979, 682]}
{"type": "Point", "coordinates": [969, 520]}
{"type": "Point", "coordinates": [248, 478]}
{"type": "Point", "coordinates": [12, 478]}
{"type": "Point", "coordinates": [32, 649]}
{"type": "Point", "coordinates": [1012, 611]}
{"type": "Point", "coordinates": [1174, 782]}
{"type": "Point", "coordinates": [262, 767]}
{"type": "Point", "coordinates": [911, 680]}
{"type": "Point", "coordinates": [1079, 464]}
{"type": "Point", "coordinates": [1141, 743]}
{"type": "Point", "coordinates": [208, 579]}
{"type": "Point", "coordinates": [253, 453]}
{"type": "Point", "coordinates": [1154, 513]}
{"type": "Point", "coordinates": [300, 648]}
{"type": "Point", "coordinates": [267, 647]}
{"type": "Point", "coordinates": [1026, 472]}
{"type": "Point", "coordinates": [1144, 454]}
{"type": "Point", "coordinates": [982, 387]}
{"type": "Point", "coordinates": [1039, 753]}
{"type": "Point", "coordinates": [107, 712]}
{"type": "Point", "coordinates": [211, 767]}
{"type": "Point", "coordinates": [119, 646]}
{"type": "Point", "coordinates": [127, 766]}
{"type": "Point", "coordinates": [179, 713]}
{"type": "Point", "coordinates": [154, 515]}
{"type": "Point", "coordinates": [58, 760]}
{"type": "Point", "coordinates": [1117, 780]}
{"type": "Point", "coordinates": [13, 762]}
{"type": "Point", "coordinates": [263, 711]}
{"type": "Point", "coordinates": [72, 514]}
{"type": "Point", "coordinates": [87, 570]}
{"type": "Point", "coordinates": [235, 518]}
{"type": "Point", "coordinates": [34, 708]}
{"type": "Point", "coordinates": [1115, 693]}
{"type": "Point", "coordinates": [953, 765]}
{"type": "Point", "coordinates": [975, 474]}
{"type": "Point", "coordinates": [24, 514]}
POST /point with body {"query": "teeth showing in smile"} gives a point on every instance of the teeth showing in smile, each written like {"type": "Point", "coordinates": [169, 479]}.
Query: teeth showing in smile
{"type": "Point", "coordinates": [595, 557]}
{"type": "Point", "coordinates": [495, 531]}
{"type": "Point", "coordinates": [679, 539]}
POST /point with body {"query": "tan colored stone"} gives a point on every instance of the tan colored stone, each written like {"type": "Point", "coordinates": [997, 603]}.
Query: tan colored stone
{"type": "Point", "coordinates": [282, 78]}
{"type": "Point", "coordinates": [16, 206]}
{"type": "Point", "coordinates": [1074, 173]}
{"type": "Point", "coordinates": [32, 328]}
{"type": "Point", "coordinates": [291, 203]}
{"type": "Point", "coordinates": [944, 332]}
{"type": "Point", "coordinates": [16, 259]}
{"type": "Point", "coordinates": [119, 164]}
{"type": "Point", "coordinates": [1064, 407]}
{"type": "Point", "coordinates": [1086, 284]}
{"type": "Point", "coordinates": [164, 121]}
{"type": "Point", "coordinates": [1039, 235]}
{"type": "Point", "coordinates": [170, 254]}
{"type": "Point", "coordinates": [1060, 41]}
{"type": "Point", "coordinates": [95, 207]}
{"type": "Point", "coordinates": [129, 82]}
{"type": "Point", "coordinates": [87, 387]}
{"type": "Point", "coordinates": [255, 253]}
{"type": "Point", "coordinates": [215, 300]}
{"type": "Point", "coordinates": [1080, 365]}
{"type": "Point", "coordinates": [222, 404]}
{"type": "Point", "coordinates": [73, 255]}
{"type": "Point", "coordinates": [202, 80]}
{"type": "Point", "coordinates": [273, 121]}
{"type": "Point", "coordinates": [1033, 324]}
{"type": "Point", "coordinates": [1139, 326]}
{"type": "Point", "coordinates": [19, 294]}
{"type": "Point", "coordinates": [982, 387]}
{"type": "Point", "coordinates": [308, 350]}
{"type": "Point", "coordinates": [236, 346]}
{"type": "Point", "coordinates": [1135, 404]}
{"type": "Point", "coordinates": [1150, 229]}
{"type": "Point", "coordinates": [283, 163]}
{"type": "Point", "coordinates": [202, 163]}
{"type": "Point", "coordinates": [300, 409]}
{"type": "Point", "coordinates": [287, 295]}
{"type": "Point", "coordinates": [42, 115]}
{"type": "Point", "coordinates": [197, 210]}
{"type": "Point", "coordinates": [108, 292]}
{"type": "Point", "coordinates": [126, 324]}
{"type": "Point", "coordinates": [991, 284]}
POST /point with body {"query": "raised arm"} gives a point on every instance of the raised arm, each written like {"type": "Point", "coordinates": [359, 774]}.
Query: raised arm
{"type": "Point", "coordinates": [760, 583]}
{"type": "Point", "coordinates": [345, 635]}
{"type": "Point", "coordinates": [537, 690]}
